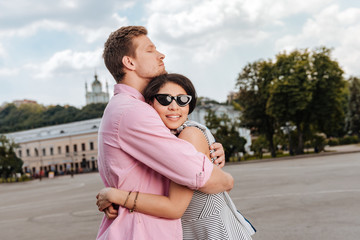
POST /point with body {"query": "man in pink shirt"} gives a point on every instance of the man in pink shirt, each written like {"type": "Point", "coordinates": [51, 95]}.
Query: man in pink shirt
{"type": "Point", "coordinates": [136, 150]}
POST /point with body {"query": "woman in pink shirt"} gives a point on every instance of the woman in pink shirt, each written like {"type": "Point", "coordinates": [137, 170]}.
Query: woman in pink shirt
{"type": "Point", "coordinates": [173, 96]}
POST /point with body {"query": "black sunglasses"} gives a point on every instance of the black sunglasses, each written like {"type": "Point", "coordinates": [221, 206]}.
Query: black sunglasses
{"type": "Point", "coordinates": [166, 99]}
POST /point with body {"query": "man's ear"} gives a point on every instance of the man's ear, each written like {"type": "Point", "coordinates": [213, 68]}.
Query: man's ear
{"type": "Point", "coordinates": [128, 63]}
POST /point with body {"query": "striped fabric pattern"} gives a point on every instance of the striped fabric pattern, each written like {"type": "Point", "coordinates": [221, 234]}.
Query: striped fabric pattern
{"type": "Point", "coordinates": [209, 217]}
{"type": "Point", "coordinates": [212, 216]}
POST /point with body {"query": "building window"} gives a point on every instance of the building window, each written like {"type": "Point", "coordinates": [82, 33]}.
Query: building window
{"type": "Point", "coordinates": [44, 152]}
{"type": "Point", "coordinates": [36, 152]}
{"type": "Point", "coordinates": [91, 146]}
{"type": "Point", "coordinates": [75, 148]}
{"type": "Point", "coordinates": [28, 152]}
{"type": "Point", "coordinates": [83, 147]}
{"type": "Point", "coordinates": [20, 153]}
{"type": "Point", "coordinates": [51, 151]}
{"type": "Point", "coordinates": [59, 150]}
{"type": "Point", "coordinates": [67, 148]}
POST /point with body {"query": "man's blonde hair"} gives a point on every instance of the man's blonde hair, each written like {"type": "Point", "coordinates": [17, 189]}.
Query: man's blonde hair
{"type": "Point", "coordinates": [120, 44]}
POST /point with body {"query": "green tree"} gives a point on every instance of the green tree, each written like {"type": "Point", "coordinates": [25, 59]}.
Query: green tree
{"type": "Point", "coordinates": [225, 131]}
{"type": "Point", "coordinates": [308, 90]}
{"type": "Point", "coordinates": [9, 162]}
{"type": "Point", "coordinates": [18, 118]}
{"type": "Point", "coordinates": [329, 99]}
{"type": "Point", "coordinates": [94, 110]}
{"type": "Point", "coordinates": [291, 92]}
{"type": "Point", "coordinates": [29, 116]}
{"type": "Point", "coordinates": [254, 83]}
{"type": "Point", "coordinates": [353, 125]}
{"type": "Point", "coordinates": [5, 121]}
{"type": "Point", "coordinates": [258, 146]}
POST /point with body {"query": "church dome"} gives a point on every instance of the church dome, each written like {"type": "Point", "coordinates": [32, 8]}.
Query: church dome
{"type": "Point", "coordinates": [96, 82]}
{"type": "Point", "coordinates": [96, 95]}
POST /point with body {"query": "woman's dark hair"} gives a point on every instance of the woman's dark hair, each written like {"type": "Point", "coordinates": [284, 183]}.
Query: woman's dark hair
{"type": "Point", "coordinates": [158, 82]}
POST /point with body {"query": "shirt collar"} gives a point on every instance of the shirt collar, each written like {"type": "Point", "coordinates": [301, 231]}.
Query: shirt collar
{"type": "Point", "coordinates": [123, 88]}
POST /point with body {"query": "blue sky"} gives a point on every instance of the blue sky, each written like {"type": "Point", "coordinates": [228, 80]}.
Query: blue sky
{"type": "Point", "coordinates": [49, 49]}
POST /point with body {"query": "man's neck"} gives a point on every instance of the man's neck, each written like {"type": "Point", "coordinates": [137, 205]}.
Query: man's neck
{"type": "Point", "coordinates": [136, 82]}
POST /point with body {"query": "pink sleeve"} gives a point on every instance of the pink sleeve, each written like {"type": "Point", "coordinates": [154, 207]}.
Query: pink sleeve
{"type": "Point", "coordinates": [143, 135]}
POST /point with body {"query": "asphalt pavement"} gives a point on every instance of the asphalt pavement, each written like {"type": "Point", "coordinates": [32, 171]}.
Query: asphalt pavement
{"type": "Point", "coordinates": [312, 197]}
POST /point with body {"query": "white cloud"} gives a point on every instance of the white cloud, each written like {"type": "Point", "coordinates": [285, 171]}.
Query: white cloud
{"type": "Point", "coordinates": [208, 40]}
{"type": "Point", "coordinates": [69, 3]}
{"type": "Point", "coordinates": [212, 40]}
{"type": "Point", "coordinates": [171, 6]}
{"type": "Point", "coordinates": [192, 18]}
{"type": "Point", "coordinates": [2, 51]}
{"type": "Point", "coordinates": [67, 60]}
{"type": "Point", "coordinates": [92, 35]}
{"type": "Point", "coordinates": [123, 5]}
{"type": "Point", "coordinates": [121, 21]}
{"type": "Point", "coordinates": [284, 8]}
{"type": "Point", "coordinates": [202, 29]}
{"type": "Point", "coordinates": [333, 28]}
{"type": "Point", "coordinates": [348, 53]}
{"type": "Point", "coordinates": [20, 12]}
{"type": "Point", "coordinates": [33, 28]}
{"type": "Point", "coordinates": [7, 72]}
{"type": "Point", "coordinates": [208, 28]}
{"type": "Point", "coordinates": [329, 27]}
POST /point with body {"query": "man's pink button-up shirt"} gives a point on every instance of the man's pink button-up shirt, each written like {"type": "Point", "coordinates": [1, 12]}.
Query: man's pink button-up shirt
{"type": "Point", "coordinates": [138, 153]}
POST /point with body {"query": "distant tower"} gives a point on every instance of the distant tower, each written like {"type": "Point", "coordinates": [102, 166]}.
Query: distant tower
{"type": "Point", "coordinates": [97, 95]}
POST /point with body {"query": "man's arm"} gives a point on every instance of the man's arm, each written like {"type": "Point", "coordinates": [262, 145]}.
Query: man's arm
{"type": "Point", "coordinates": [145, 137]}
{"type": "Point", "coordinates": [219, 181]}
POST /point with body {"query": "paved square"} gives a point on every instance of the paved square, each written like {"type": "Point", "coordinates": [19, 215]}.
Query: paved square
{"type": "Point", "coordinates": [307, 198]}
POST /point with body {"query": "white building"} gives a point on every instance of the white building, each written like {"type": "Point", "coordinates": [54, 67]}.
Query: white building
{"type": "Point", "coordinates": [201, 111]}
{"type": "Point", "coordinates": [97, 95]}
{"type": "Point", "coordinates": [59, 148]}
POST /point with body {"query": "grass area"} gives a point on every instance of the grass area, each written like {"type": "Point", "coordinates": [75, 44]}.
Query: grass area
{"type": "Point", "coordinates": [13, 179]}
{"type": "Point", "coordinates": [267, 155]}
{"type": "Point", "coordinates": [280, 154]}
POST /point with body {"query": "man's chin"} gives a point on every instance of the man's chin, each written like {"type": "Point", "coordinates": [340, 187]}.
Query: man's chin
{"type": "Point", "coordinates": [161, 73]}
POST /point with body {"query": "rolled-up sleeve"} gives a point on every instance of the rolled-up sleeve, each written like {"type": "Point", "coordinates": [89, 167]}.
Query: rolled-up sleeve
{"type": "Point", "coordinates": [144, 136]}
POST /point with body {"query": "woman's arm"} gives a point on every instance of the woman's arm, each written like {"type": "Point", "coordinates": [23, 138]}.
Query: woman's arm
{"type": "Point", "coordinates": [196, 137]}
{"type": "Point", "coordinates": [172, 206]}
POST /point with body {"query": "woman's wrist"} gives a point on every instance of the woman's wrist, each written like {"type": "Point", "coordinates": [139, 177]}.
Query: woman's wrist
{"type": "Point", "coordinates": [113, 196]}
{"type": "Point", "coordinates": [120, 197]}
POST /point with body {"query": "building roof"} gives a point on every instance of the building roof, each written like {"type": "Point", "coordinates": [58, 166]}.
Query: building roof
{"type": "Point", "coordinates": [96, 81]}
{"type": "Point", "coordinates": [68, 129]}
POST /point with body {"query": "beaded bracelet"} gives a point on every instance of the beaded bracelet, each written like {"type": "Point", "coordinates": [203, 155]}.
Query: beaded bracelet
{"type": "Point", "coordinates": [133, 209]}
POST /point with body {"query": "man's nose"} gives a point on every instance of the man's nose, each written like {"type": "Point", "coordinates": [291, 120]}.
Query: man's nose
{"type": "Point", "coordinates": [162, 56]}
